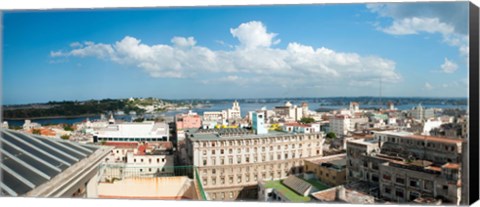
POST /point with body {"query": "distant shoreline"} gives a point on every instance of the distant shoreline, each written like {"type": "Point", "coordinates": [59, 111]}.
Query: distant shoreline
{"type": "Point", "coordinates": [50, 117]}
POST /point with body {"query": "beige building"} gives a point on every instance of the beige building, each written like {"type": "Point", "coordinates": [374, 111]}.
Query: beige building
{"type": "Point", "coordinates": [330, 170]}
{"type": "Point", "coordinates": [232, 161]}
{"type": "Point", "coordinates": [402, 167]}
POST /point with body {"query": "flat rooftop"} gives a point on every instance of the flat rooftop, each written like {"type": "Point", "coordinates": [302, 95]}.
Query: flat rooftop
{"type": "Point", "coordinates": [216, 136]}
{"type": "Point", "coordinates": [165, 188]}
{"type": "Point", "coordinates": [290, 193]}
{"type": "Point", "coordinates": [134, 129]}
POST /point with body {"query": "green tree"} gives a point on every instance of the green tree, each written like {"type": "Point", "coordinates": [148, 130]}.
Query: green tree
{"type": "Point", "coordinates": [68, 127]}
{"type": "Point", "coordinates": [307, 120]}
{"type": "Point", "coordinates": [36, 131]}
{"type": "Point", "coordinates": [331, 135]}
{"type": "Point", "coordinates": [65, 136]}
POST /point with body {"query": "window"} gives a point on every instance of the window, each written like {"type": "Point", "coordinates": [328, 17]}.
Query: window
{"type": "Point", "coordinates": [158, 160]}
{"type": "Point", "coordinates": [247, 159]}
{"type": "Point", "coordinates": [239, 179]}
{"type": "Point", "coordinates": [239, 150]}
{"type": "Point", "coordinates": [388, 190]}
{"type": "Point", "coordinates": [204, 152]}
{"type": "Point", "coordinates": [230, 160]}
{"type": "Point", "coordinates": [163, 159]}
{"type": "Point", "coordinates": [400, 180]}
{"type": "Point", "coordinates": [134, 160]}
{"type": "Point", "coordinates": [399, 193]}
{"type": "Point", "coordinates": [149, 169]}
{"type": "Point", "coordinates": [204, 162]}
{"type": "Point", "coordinates": [214, 180]}
{"type": "Point", "coordinates": [222, 161]}
{"type": "Point", "coordinates": [230, 179]}
{"type": "Point", "coordinates": [239, 159]}
{"type": "Point", "coordinates": [230, 194]}
{"type": "Point", "coordinates": [374, 178]}
{"type": "Point", "coordinates": [213, 152]}
{"type": "Point", "coordinates": [222, 180]}
{"type": "Point", "coordinates": [414, 183]}
{"type": "Point", "coordinates": [230, 151]}
{"type": "Point", "coordinates": [222, 151]}
{"type": "Point", "coordinates": [387, 177]}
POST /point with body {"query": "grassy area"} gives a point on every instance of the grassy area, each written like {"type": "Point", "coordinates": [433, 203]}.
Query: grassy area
{"type": "Point", "coordinates": [320, 186]}
{"type": "Point", "coordinates": [287, 192]}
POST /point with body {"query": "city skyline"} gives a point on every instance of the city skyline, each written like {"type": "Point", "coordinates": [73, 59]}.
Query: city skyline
{"type": "Point", "coordinates": [244, 51]}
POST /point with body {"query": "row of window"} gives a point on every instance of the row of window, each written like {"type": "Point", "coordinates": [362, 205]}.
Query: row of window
{"type": "Point", "coordinates": [239, 158]}
{"type": "Point", "coordinates": [131, 139]}
{"type": "Point", "coordinates": [259, 141]}
{"type": "Point", "coordinates": [413, 182]}
{"type": "Point", "coordinates": [256, 149]}
{"type": "Point", "coordinates": [287, 166]}
{"type": "Point", "coordinates": [420, 143]}
{"type": "Point", "coordinates": [149, 160]}
{"type": "Point", "coordinates": [239, 178]}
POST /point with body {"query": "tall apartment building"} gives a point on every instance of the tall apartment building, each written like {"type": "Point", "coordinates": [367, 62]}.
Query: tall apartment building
{"type": "Point", "coordinates": [232, 161]}
{"type": "Point", "coordinates": [292, 112]}
{"type": "Point", "coordinates": [402, 167]}
{"type": "Point", "coordinates": [342, 124]}
{"type": "Point", "coordinates": [421, 113]}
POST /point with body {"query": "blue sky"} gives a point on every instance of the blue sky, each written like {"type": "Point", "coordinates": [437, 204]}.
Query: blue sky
{"type": "Point", "coordinates": [416, 49]}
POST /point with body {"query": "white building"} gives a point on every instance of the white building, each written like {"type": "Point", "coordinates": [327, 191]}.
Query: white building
{"type": "Point", "coordinates": [234, 112]}
{"type": "Point", "coordinates": [354, 107]}
{"type": "Point", "coordinates": [342, 124]}
{"type": "Point", "coordinates": [221, 117]}
{"type": "Point", "coordinates": [421, 113]}
{"type": "Point", "coordinates": [429, 125]}
{"type": "Point", "coordinates": [133, 132]}
{"type": "Point", "coordinates": [29, 125]}
{"type": "Point", "coordinates": [292, 112]}
{"type": "Point", "coordinates": [233, 162]}
{"type": "Point", "coordinates": [5, 125]}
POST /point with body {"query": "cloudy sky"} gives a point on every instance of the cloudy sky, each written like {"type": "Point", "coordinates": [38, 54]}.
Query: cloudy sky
{"type": "Point", "coordinates": [413, 49]}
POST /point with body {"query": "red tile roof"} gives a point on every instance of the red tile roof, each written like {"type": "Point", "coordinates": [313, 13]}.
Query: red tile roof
{"type": "Point", "coordinates": [122, 144]}
{"type": "Point", "coordinates": [435, 139]}
{"type": "Point", "coordinates": [451, 166]}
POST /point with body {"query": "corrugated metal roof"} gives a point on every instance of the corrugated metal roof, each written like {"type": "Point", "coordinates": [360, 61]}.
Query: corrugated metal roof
{"type": "Point", "coordinates": [296, 184]}
{"type": "Point", "coordinates": [28, 161]}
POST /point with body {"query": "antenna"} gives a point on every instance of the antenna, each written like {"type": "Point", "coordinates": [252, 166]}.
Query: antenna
{"type": "Point", "coordinates": [380, 93]}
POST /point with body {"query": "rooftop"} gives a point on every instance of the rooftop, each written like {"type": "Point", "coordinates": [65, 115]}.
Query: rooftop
{"type": "Point", "coordinates": [337, 161]}
{"type": "Point", "coordinates": [286, 192]}
{"type": "Point", "coordinates": [30, 162]}
{"type": "Point", "coordinates": [134, 129]}
{"type": "Point", "coordinates": [217, 136]}
{"type": "Point", "coordinates": [292, 186]}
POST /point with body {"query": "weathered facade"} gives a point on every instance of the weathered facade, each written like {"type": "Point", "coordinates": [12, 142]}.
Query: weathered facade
{"type": "Point", "coordinates": [231, 164]}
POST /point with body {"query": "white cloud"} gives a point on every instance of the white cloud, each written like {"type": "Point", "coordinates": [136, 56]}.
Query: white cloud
{"type": "Point", "coordinates": [449, 66]}
{"type": "Point", "coordinates": [253, 35]}
{"type": "Point", "coordinates": [428, 86]}
{"type": "Point", "coordinates": [447, 19]}
{"type": "Point", "coordinates": [254, 57]}
{"type": "Point", "coordinates": [184, 42]}
{"type": "Point", "coordinates": [415, 25]}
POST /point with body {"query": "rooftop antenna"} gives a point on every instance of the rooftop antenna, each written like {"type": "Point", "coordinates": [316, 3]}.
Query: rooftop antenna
{"type": "Point", "coordinates": [380, 93]}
